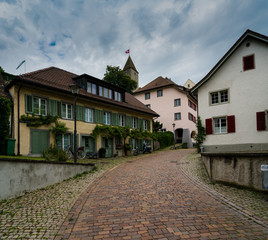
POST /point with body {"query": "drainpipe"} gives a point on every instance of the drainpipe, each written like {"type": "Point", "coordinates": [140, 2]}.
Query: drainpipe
{"type": "Point", "coordinates": [18, 96]}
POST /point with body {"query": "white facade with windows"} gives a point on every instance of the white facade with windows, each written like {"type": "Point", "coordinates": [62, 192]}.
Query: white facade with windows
{"type": "Point", "coordinates": [233, 97]}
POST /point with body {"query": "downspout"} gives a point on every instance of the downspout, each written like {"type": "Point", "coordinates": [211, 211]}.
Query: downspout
{"type": "Point", "coordinates": [18, 96]}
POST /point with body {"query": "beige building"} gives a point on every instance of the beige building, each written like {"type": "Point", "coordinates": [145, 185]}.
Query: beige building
{"type": "Point", "coordinates": [46, 93]}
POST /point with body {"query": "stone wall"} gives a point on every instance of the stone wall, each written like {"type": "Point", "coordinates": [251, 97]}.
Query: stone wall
{"type": "Point", "coordinates": [242, 169]}
{"type": "Point", "coordinates": [20, 176]}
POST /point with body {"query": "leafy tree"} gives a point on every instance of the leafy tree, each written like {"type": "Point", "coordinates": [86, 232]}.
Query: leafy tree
{"type": "Point", "coordinates": [157, 126]}
{"type": "Point", "coordinates": [201, 134]}
{"type": "Point", "coordinates": [5, 110]}
{"type": "Point", "coordinates": [116, 76]}
{"type": "Point", "coordinates": [1, 69]}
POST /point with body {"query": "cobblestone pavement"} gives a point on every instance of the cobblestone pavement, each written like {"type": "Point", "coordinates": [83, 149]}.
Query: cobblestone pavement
{"type": "Point", "coordinates": [39, 214]}
{"type": "Point", "coordinates": [153, 198]}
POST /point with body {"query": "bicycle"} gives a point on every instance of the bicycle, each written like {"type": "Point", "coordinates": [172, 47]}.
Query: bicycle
{"type": "Point", "coordinates": [80, 153]}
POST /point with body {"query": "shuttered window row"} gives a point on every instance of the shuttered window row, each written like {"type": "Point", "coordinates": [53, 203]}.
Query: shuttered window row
{"type": "Point", "coordinates": [64, 110]}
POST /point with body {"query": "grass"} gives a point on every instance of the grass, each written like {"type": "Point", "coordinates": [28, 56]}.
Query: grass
{"type": "Point", "coordinates": [23, 157]}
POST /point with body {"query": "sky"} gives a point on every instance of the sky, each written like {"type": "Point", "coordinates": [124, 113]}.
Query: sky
{"type": "Point", "coordinates": [178, 39]}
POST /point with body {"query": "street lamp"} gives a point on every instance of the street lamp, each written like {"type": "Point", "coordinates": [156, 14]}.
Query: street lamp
{"type": "Point", "coordinates": [174, 133]}
{"type": "Point", "coordinates": [75, 90]}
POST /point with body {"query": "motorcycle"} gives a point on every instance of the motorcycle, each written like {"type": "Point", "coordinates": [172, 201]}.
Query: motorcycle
{"type": "Point", "coordinates": [147, 149]}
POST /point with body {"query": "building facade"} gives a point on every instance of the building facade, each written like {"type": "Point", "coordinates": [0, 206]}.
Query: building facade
{"type": "Point", "coordinates": [174, 104]}
{"type": "Point", "coordinates": [233, 106]}
{"type": "Point", "coordinates": [46, 93]}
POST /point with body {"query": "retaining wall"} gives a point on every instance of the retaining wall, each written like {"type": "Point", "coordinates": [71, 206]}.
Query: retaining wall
{"type": "Point", "coordinates": [20, 176]}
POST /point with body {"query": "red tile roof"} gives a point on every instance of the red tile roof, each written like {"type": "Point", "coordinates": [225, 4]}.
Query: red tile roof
{"type": "Point", "coordinates": [59, 79]}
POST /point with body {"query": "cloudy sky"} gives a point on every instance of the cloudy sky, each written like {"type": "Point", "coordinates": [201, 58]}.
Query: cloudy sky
{"type": "Point", "coordinates": [177, 39]}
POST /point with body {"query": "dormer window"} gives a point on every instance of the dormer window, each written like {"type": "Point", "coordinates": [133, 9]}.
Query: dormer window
{"type": "Point", "coordinates": [117, 96]}
{"type": "Point", "coordinates": [91, 88]}
{"type": "Point", "coordinates": [248, 62]}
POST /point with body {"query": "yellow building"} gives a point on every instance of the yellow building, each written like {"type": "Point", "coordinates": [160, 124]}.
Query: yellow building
{"type": "Point", "coordinates": [47, 93]}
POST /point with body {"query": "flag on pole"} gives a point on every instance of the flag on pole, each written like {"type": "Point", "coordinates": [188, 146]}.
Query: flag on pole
{"type": "Point", "coordinates": [127, 52]}
{"type": "Point", "coordinates": [20, 64]}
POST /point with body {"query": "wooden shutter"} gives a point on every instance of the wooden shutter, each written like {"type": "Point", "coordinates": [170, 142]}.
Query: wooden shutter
{"type": "Point", "coordinates": [80, 113]}
{"type": "Point", "coordinates": [209, 128]}
{"type": "Point", "coordinates": [129, 121]}
{"type": "Point", "coordinates": [149, 125]}
{"type": "Point", "coordinates": [52, 107]}
{"type": "Point", "coordinates": [140, 124]}
{"type": "Point", "coordinates": [231, 124]}
{"type": "Point", "coordinates": [28, 103]}
{"type": "Point", "coordinates": [99, 116]}
{"type": "Point", "coordinates": [261, 126]}
{"type": "Point", "coordinates": [115, 119]}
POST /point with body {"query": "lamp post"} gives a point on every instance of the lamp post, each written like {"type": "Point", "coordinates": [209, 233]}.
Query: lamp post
{"type": "Point", "coordinates": [75, 91]}
{"type": "Point", "coordinates": [174, 133]}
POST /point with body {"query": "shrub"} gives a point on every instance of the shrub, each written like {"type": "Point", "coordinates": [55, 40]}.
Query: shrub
{"type": "Point", "coordinates": [165, 139]}
{"type": "Point", "coordinates": [5, 110]}
{"type": "Point", "coordinates": [55, 154]}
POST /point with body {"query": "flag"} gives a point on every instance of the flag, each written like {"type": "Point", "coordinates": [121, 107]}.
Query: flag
{"type": "Point", "coordinates": [127, 52]}
{"type": "Point", "coordinates": [20, 64]}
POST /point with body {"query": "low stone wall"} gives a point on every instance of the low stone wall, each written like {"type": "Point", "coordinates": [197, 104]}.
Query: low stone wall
{"type": "Point", "coordinates": [20, 176]}
{"type": "Point", "coordinates": [242, 169]}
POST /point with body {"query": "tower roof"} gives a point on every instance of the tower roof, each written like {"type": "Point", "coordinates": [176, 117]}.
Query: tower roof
{"type": "Point", "coordinates": [129, 64]}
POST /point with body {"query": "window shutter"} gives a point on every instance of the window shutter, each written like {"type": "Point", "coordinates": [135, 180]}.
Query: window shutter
{"type": "Point", "coordinates": [28, 103]}
{"type": "Point", "coordinates": [53, 107]}
{"type": "Point", "coordinates": [261, 126]}
{"type": "Point", "coordinates": [149, 126]}
{"type": "Point", "coordinates": [115, 119]}
{"type": "Point", "coordinates": [231, 124]}
{"type": "Point", "coordinates": [209, 129]}
{"type": "Point", "coordinates": [140, 124]}
{"type": "Point", "coordinates": [80, 113]}
{"type": "Point", "coordinates": [129, 121]}
{"type": "Point", "coordinates": [99, 116]}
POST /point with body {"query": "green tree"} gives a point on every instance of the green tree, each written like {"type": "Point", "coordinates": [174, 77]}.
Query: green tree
{"type": "Point", "coordinates": [157, 126]}
{"type": "Point", "coordinates": [1, 69]}
{"type": "Point", "coordinates": [116, 76]}
{"type": "Point", "coordinates": [5, 110]}
{"type": "Point", "coordinates": [201, 134]}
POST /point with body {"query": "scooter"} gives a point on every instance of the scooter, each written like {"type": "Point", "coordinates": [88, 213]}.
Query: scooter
{"type": "Point", "coordinates": [147, 149]}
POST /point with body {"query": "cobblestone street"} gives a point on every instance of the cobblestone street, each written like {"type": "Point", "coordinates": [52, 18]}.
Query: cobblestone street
{"type": "Point", "coordinates": [164, 195]}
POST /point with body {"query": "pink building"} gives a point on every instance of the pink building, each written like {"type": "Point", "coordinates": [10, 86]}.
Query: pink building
{"type": "Point", "coordinates": [174, 104]}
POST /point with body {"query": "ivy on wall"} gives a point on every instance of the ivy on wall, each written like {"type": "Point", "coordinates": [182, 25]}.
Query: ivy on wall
{"type": "Point", "coordinates": [37, 121]}
{"type": "Point", "coordinates": [5, 110]}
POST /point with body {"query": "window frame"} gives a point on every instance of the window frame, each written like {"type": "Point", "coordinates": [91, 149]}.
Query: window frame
{"type": "Point", "coordinates": [122, 120]}
{"type": "Point", "coordinates": [147, 96]}
{"type": "Point", "coordinates": [244, 62]}
{"type": "Point", "coordinates": [106, 117]}
{"type": "Point", "coordinates": [220, 125]}
{"type": "Point", "coordinates": [175, 114]}
{"type": "Point", "coordinates": [134, 123]}
{"type": "Point", "coordinates": [219, 96]}
{"type": "Point", "coordinates": [159, 93]}
{"type": "Point", "coordinates": [175, 101]}
{"type": "Point", "coordinates": [66, 113]}
{"type": "Point", "coordinates": [39, 113]}
{"type": "Point", "coordinates": [87, 115]}
{"type": "Point", "coordinates": [146, 125]}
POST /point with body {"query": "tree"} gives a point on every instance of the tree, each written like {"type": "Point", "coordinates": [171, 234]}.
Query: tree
{"type": "Point", "coordinates": [201, 134]}
{"type": "Point", "coordinates": [157, 126]}
{"type": "Point", "coordinates": [116, 76]}
{"type": "Point", "coordinates": [5, 110]}
{"type": "Point", "coordinates": [1, 70]}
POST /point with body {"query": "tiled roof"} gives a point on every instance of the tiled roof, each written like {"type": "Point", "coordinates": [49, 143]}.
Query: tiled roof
{"type": "Point", "coordinates": [59, 79]}
{"type": "Point", "coordinates": [129, 64]}
{"type": "Point", "coordinates": [158, 83]}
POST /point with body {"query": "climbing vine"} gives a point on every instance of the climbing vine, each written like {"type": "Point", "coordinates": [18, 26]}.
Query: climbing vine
{"type": "Point", "coordinates": [37, 121]}
{"type": "Point", "coordinates": [5, 110]}
{"type": "Point", "coordinates": [59, 129]}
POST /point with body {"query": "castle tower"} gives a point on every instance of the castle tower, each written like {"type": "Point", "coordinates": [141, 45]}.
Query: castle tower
{"type": "Point", "coordinates": [131, 70]}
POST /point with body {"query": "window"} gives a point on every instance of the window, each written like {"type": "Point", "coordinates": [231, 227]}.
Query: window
{"type": "Point", "coordinates": [191, 105]}
{"type": "Point", "coordinates": [89, 115]}
{"type": "Point", "coordinates": [122, 120]}
{"type": "Point", "coordinates": [105, 92]}
{"type": "Point", "coordinates": [117, 96]}
{"type": "Point", "coordinates": [64, 141]}
{"type": "Point", "coordinates": [148, 105]}
{"type": "Point", "coordinates": [146, 125]}
{"type": "Point", "coordinates": [177, 116]}
{"type": "Point", "coordinates": [262, 120]}
{"type": "Point", "coordinates": [91, 88]}
{"type": "Point", "coordinates": [248, 62]}
{"type": "Point", "coordinates": [134, 122]}
{"type": "Point", "coordinates": [159, 93]}
{"type": "Point", "coordinates": [177, 102]}
{"type": "Point", "coordinates": [218, 125]}
{"type": "Point", "coordinates": [107, 118]}
{"type": "Point", "coordinates": [67, 111]}
{"type": "Point", "coordinates": [163, 130]}
{"type": "Point", "coordinates": [110, 94]}
{"type": "Point", "coordinates": [100, 91]}
{"type": "Point", "coordinates": [219, 97]}
{"type": "Point", "coordinates": [191, 117]}
{"type": "Point", "coordinates": [39, 106]}
{"type": "Point", "coordinates": [147, 96]}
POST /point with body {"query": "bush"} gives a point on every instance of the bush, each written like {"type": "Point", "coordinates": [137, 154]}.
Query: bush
{"type": "Point", "coordinates": [5, 110]}
{"type": "Point", "coordinates": [55, 154]}
{"type": "Point", "coordinates": [165, 139]}
{"type": "Point", "coordinates": [102, 152]}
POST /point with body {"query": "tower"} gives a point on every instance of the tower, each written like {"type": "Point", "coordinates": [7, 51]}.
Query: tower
{"type": "Point", "coordinates": [131, 70]}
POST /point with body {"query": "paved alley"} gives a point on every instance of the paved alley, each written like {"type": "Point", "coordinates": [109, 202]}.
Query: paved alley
{"type": "Point", "coordinates": [151, 198]}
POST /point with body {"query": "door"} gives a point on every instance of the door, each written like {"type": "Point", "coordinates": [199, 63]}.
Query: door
{"type": "Point", "coordinates": [39, 141]}
{"type": "Point", "coordinates": [88, 143]}
{"type": "Point", "coordinates": [107, 143]}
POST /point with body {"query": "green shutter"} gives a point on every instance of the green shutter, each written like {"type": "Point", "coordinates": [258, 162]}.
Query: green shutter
{"type": "Point", "coordinates": [149, 125]}
{"type": "Point", "coordinates": [129, 121]}
{"type": "Point", "coordinates": [140, 123]}
{"type": "Point", "coordinates": [80, 113]}
{"type": "Point", "coordinates": [115, 119]}
{"type": "Point", "coordinates": [99, 116]}
{"type": "Point", "coordinates": [28, 103]}
{"type": "Point", "coordinates": [53, 107]}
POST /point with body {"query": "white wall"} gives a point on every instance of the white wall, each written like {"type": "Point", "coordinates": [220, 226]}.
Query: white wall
{"type": "Point", "coordinates": [248, 95]}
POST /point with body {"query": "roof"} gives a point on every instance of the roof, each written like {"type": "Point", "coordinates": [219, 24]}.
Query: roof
{"type": "Point", "coordinates": [159, 82]}
{"type": "Point", "coordinates": [58, 79]}
{"type": "Point", "coordinates": [129, 64]}
{"type": "Point", "coordinates": [247, 34]}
